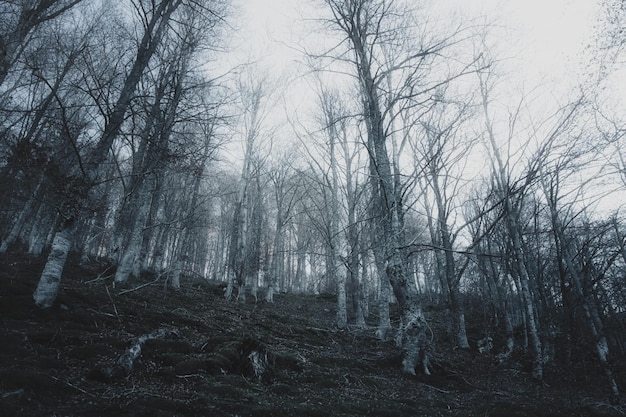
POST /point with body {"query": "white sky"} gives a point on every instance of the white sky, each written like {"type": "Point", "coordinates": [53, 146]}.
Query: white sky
{"type": "Point", "coordinates": [544, 35]}
{"type": "Point", "coordinates": [542, 40]}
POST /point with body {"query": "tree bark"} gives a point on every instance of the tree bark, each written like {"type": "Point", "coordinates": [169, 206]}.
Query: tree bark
{"type": "Point", "coordinates": [48, 287]}
{"type": "Point", "coordinates": [131, 253]}
{"type": "Point", "coordinates": [20, 221]}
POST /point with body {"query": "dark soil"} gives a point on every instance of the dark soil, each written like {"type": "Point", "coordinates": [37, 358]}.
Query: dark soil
{"type": "Point", "coordinates": [51, 362]}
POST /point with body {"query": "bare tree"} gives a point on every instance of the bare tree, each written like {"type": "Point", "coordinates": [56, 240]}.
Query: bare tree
{"type": "Point", "coordinates": [19, 21]}
{"type": "Point", "coordinates": [173, 92]}
{"type": "Point", "coordinates": [365, 27]}
{"type": "Point", "coordinates": [512, 196]}
{"type": "Point", "coordinates": [254, 96]}
{"type": "Point", "coordinates": [285, 186]}
{"type": "Point", "coordinates": [562, 156]}
{"type": "Point", "coordinates": [444, 151]}
{"type": "Point", "coordinates": [342, 184]}
{"type": "Point", "coordinates": [154, 20]}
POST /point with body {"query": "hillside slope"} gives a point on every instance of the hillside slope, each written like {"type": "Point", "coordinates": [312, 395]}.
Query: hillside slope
{"type": "Point", "coordinates": [59, 362]}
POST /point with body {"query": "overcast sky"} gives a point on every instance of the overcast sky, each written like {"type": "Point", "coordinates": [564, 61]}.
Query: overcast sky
{"type": "Point", "coordinates": [543, 40]}
{"type": "Point", "coordinates": [546, 36]}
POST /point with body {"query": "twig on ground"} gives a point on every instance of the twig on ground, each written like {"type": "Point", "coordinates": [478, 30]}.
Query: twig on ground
{"type": "Point", "coordinates": [93, 310]}
{"type": "Point", "coordinates": [190, 376]}
{"type": "Point", "coordinates": [18, 393]}
{"type": "Point", "coordinates": [101, 276]}
{"type": "Point", "coordinates": [113, 302]}
{"type": "Point", "coordinates": [443, 391]}
{"type": "Point", "coordinates": [139, 287]}
{"type": "Point", "coordinates": [69, 384]}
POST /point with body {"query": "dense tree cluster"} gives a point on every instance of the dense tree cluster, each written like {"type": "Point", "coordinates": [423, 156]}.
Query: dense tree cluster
{"type": "Point", "coordinates": [414, 182]}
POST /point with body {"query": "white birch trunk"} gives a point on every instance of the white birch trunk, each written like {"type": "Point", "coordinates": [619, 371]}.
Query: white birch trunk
{"type": "Point", "coordinates": [384, 294]}
{"type": "Point", "coordinates": [130, 255]}
{"type": "Point", "coordinates": [342, 313]}
{"type": "Point", "coordinates": [510, 339]}
{"type": "Point", "coordinates": [176, 273]}
{"type": "Point", "coordinates": [277, 261]}
{"type": "Point", "coordinates": [87, 242]}
{"type": "Point", "coordinates": [48, 286]}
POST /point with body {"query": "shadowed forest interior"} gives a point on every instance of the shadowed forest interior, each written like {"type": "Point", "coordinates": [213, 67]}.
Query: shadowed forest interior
{"type": "Point", "coordinates": [392, 205]}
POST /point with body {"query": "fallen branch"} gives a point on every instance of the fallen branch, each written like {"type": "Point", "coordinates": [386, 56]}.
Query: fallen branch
{"type": "Point", "coordinates": [124, 365]}
{"type": "Point", "coordinates": [139, 287]}
{"type": "Point", "coordinates": [443, 391]}
{"type": "Point", "coordinates": [75, 387]}
{"type": "Point", "coordinates": [101, 276]}
{"type": "Point", "coordinates": [16, 393]}
{"type": "Point", "coordinates": [113, 302]}
{"type": "Point", "coordinates": [144, 285]}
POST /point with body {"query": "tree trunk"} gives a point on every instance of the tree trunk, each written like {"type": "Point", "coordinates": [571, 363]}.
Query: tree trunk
{"type": "Point", "coordinates": [277, 261]}
{"type": "Point", "coordinates": [150, 247]}
{"type": "Point", "coordinates": [130, 256]}
{"type": "Point", "coordinates": [412, 331]}
{"type": "Point", "coordinates": [376, 230]}
{"type": "Point", "coordinates": [527, 299]}
{"type": "Point", "coordinates": [384, 295]}
{"type": "Point", "coordinates": [413, 324]}
{"type": "Point", "coordinates": [342, 312]}
{"type": "Point", "coordinates": [43, 222]}
{"type": "Point", "coordinates": [22, 218]}
{"type": "Point", "coordinates": [48, 287]}
{"type": "Point", "coordinates": [333, 226]}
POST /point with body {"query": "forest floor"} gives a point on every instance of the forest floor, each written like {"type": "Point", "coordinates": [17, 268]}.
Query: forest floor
{"type": "Point", "coordinates": [52, 362]}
